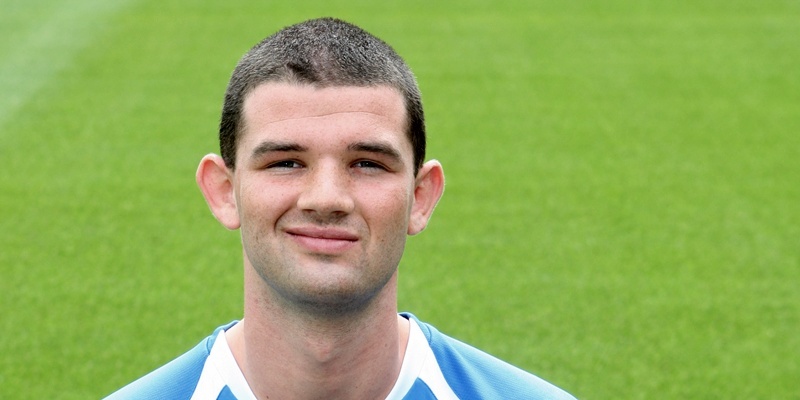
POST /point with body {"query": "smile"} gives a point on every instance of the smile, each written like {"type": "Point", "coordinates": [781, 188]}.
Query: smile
{"type": "Point", "coordinates": [323, 240]}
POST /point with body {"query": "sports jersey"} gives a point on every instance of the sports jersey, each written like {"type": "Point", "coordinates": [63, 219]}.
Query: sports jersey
{"type": "Point", "coordinates": [435, 366]}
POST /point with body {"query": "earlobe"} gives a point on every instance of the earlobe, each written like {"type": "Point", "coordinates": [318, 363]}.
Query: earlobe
{"type": "Point", "coordinates": [216, 182]}
{"type": "Point", "coordinates": [427, 192]}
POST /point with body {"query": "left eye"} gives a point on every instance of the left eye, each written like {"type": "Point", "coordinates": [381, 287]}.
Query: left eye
{"type": "Point", "coordinates": [368, 164]}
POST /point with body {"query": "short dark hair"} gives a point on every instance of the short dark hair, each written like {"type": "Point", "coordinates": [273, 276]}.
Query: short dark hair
{"type": "Point", "coordinates": [325, 52]}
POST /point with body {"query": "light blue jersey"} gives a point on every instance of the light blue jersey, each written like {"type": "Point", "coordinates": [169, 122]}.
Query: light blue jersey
{"type": "Point", "coordinates": [435, 366]}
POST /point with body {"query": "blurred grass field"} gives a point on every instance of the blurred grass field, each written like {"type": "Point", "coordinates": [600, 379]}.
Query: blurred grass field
{"type": "Point", "coordinates": [622, 214]}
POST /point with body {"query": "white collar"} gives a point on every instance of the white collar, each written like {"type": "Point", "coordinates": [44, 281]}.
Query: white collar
{"type": "Point", "coordinates": [221, 370]}
{"type": "Point", "coordinates": [226, 372]}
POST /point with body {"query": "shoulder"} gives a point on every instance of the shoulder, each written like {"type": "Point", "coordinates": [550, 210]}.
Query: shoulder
{"type": "Point", "coordinates": [474, 374]}
{"type": "Point", "coordinates": [174, 380]}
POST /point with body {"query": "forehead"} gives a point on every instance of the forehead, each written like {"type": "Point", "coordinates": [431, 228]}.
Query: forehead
{"type": "Point", "coordinates": [278, 107]}
{"type": "Point", "coordinates": [287, 98]}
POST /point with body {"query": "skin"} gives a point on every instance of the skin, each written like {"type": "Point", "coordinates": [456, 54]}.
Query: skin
{"type": "Point", "coordinates": [325, 194]}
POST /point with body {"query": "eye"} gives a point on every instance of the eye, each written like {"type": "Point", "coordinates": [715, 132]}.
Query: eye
{"type": "Point", "coordinates": [367, 164]}
{"type": "Point", "coordinates": [285, 164]}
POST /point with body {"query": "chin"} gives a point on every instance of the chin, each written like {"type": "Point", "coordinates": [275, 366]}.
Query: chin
{"type": "Point", "coordinates": [339, 300]}
{"type": "Point", "coordinates": [334, 305]}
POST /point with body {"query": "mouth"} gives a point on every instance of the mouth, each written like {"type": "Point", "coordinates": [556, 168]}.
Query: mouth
{"type": "Point", "coordinates": [323, 240]}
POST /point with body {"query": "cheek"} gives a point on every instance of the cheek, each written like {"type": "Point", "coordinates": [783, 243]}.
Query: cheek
{"type": "Point", "coordinates": [389, 207]}
{"type": "Point", "coordinates": [261, 202]}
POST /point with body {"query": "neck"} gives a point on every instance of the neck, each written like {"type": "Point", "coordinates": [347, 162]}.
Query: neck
{"type": "Point", "coordinates": [290, 355]}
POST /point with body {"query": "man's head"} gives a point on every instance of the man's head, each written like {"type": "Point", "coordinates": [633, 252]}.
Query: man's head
{"type": "Point", "coordinates": [329, 179]}
{"type": "Point", "coordinates": [323, 53]}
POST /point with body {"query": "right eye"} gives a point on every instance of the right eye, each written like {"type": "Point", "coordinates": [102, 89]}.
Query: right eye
{"type": "Point", "coordinates": [285, 164]}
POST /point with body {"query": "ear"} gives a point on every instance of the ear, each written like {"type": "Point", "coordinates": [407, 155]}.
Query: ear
{"type": "Point", "coordinates": [216, 183]}
{"type": "Point", "coordinates": [427, 192]}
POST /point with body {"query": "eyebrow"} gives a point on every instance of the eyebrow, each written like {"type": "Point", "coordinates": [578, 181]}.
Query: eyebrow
{"type": "Point", "coordinates": [376, 147]}
{"type": "Point", "coordinates": [272, 146]}
{"type": "Point", "coordinates": [368, 147]}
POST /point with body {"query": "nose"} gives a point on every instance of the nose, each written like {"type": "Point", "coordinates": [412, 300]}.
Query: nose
{"type": "Point", "coordinates": [327, 192]}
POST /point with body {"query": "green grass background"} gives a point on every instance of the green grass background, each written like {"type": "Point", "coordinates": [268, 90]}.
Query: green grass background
{"type": "Point", "coordinates": [622, 214]}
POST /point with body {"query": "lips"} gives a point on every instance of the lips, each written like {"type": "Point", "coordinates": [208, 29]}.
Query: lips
{"type": "Point", "coordinates": [323, 240]}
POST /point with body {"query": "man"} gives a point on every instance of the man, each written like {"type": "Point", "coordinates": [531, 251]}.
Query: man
{"type": "Point", "coordinates": [322, 143]}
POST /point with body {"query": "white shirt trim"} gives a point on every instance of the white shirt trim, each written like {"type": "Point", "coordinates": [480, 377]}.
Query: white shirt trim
{"type": "Point", "coordinates": [221, 370]}
{"type": "Point", "coordinates": [419, 362]}
{"type": "Point", "coordinates": [412, 362]}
